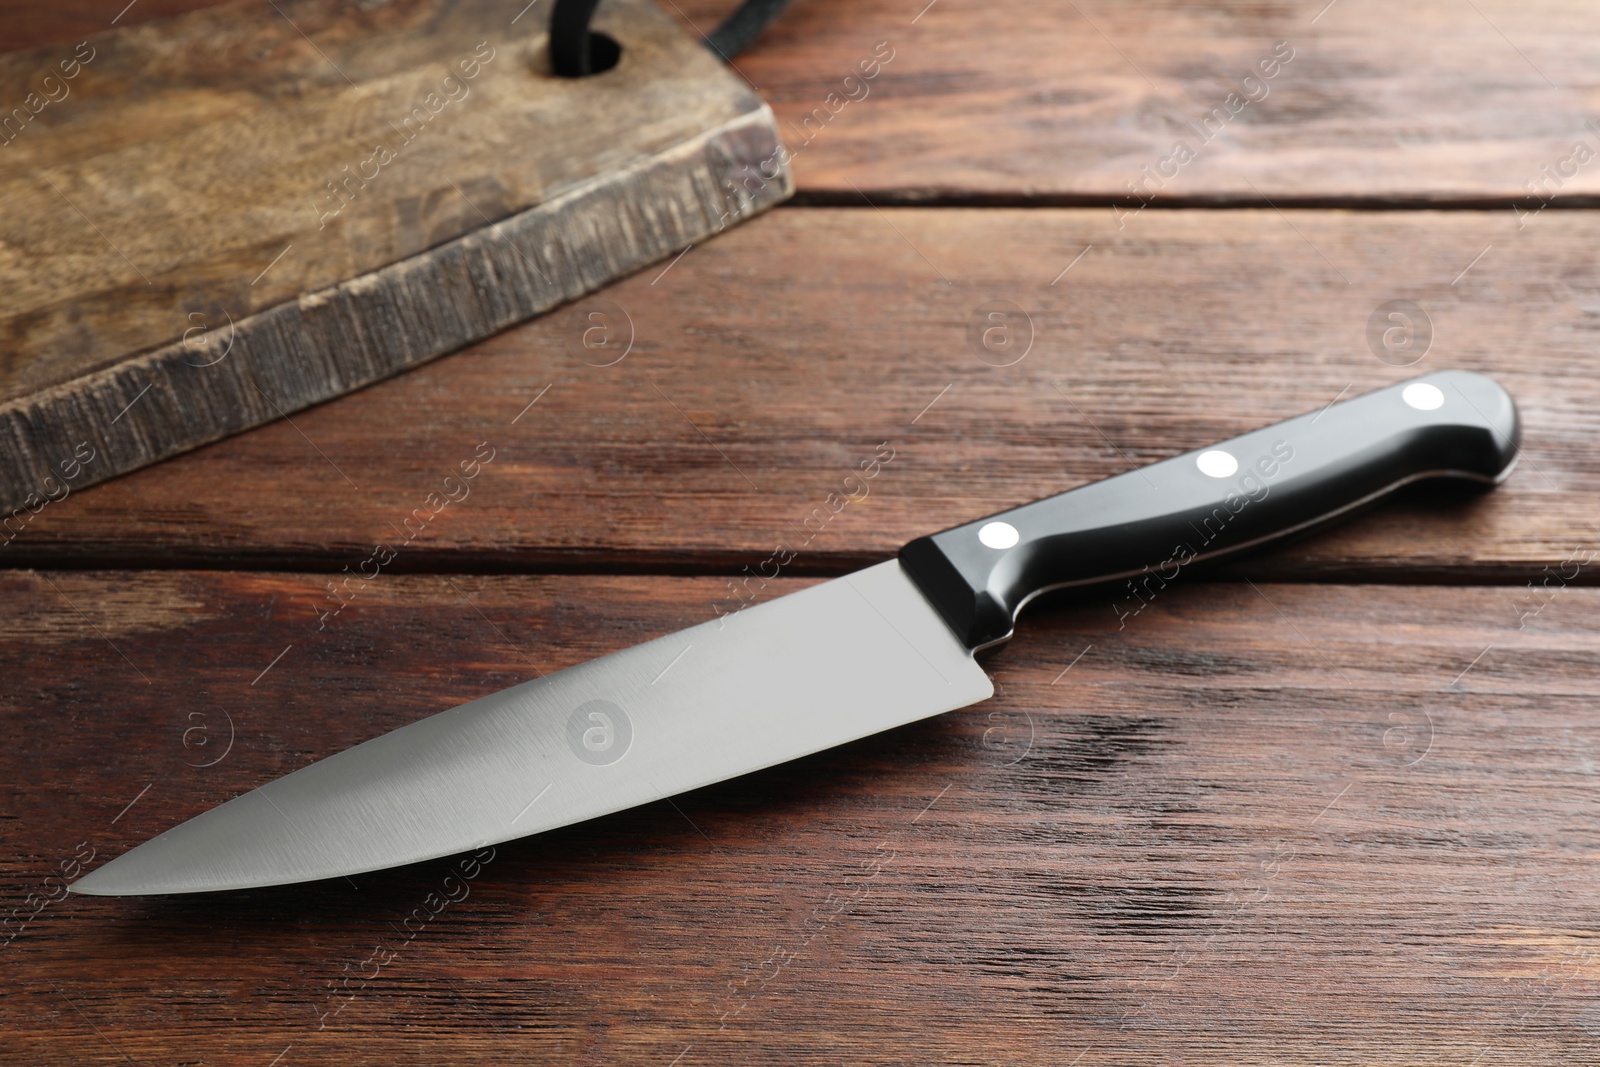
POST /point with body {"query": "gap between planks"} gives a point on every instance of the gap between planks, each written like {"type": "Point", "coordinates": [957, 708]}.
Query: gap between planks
{"type": "Point", "coordinates": [910, 196]}
{"type": "Point", "coordinates": [683, 565]}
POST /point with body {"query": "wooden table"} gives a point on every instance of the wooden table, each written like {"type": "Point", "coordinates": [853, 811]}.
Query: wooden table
{"type": "Point", "coordinates": [1337, 803]}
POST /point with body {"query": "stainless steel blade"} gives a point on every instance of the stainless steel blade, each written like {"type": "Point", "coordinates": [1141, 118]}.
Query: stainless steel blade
{"type": "Point", "coordinates": [777, 681]}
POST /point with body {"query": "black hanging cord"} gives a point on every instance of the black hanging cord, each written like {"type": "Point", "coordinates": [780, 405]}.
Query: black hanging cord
{"type": "Point", "coordinates": [742, 27]}
{"type": "Point", "coordinates": [576, 53]}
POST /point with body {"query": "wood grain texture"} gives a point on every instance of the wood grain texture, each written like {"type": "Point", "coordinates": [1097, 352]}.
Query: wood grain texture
{"type": "Point", "coordinates": [1289, 823]}
{"type": "Point", "coordinates": [1284, 824]}
{"type": "Point", "coordinates": [1434, 101]}
{"type": "Point", "coordinates": [766, 365]}
{"type": "Point", "coordinates": [1429, 102]}
{"type": "Point", "coordinates": [222, 220]}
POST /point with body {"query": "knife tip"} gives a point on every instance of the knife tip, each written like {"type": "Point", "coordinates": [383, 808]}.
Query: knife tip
{"type": "Point", "coordinates": [94, 885]}
{"type": "Point", "coordinates": [107, 881]}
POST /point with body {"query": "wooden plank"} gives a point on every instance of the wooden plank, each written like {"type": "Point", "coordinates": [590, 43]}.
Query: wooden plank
{"type": "Point", "coordinates": [1432, 101]}
{"type": "Point", "coordinates": [223, 217]}
{"type": "Point", "coordinates": [1294, 824]}
{"type": "Point", "coordinates": [1046, 103]}
{"type": "Point", "coordinates": [767, 365]}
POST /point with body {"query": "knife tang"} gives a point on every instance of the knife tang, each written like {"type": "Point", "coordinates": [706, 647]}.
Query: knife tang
{"type": "Point", "coordinates": [1215, 500]}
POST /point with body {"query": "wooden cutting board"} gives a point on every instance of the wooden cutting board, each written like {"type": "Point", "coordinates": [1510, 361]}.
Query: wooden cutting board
{"type": "Point", "coordinates": [212, 221]}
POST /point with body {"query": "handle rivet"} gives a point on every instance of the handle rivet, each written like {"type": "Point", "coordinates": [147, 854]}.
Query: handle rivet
{"type": "Point", "coordinates": [999, 535]}
{"type": "Point", "coordinates": [1422, 396]}
{"type": "Point", "coordinates": [1217, 463]}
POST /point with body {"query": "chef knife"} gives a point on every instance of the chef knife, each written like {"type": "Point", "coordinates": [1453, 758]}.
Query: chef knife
{"type": "Point", "coordinates": [831, 663]}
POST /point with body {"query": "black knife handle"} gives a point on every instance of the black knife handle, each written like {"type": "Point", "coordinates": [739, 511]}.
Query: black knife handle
{"type": "Point", "coordinates": [1237, 493]}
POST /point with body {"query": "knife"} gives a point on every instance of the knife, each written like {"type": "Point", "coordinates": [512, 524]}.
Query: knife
{"type": "Point", "coordinates": [834, 662]}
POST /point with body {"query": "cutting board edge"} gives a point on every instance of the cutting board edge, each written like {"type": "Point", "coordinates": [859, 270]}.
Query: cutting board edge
{"type": "Point", "coordinates": [150, 406]}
